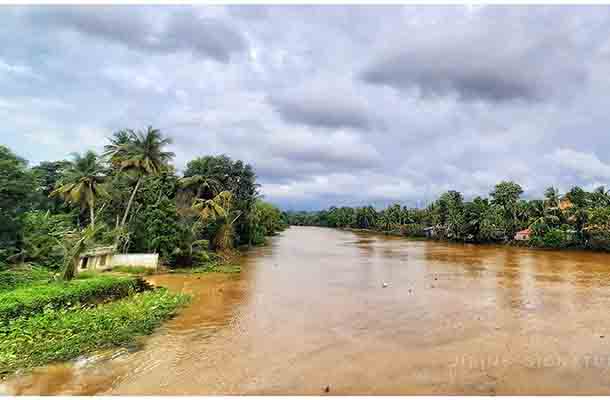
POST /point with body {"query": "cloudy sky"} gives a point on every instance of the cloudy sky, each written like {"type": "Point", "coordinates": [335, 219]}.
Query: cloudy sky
{"type": "Point", "coordinates": [337, 105]}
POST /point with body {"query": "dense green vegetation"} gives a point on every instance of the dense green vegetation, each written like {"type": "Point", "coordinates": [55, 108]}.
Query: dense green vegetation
{"type": "Point", "coordinates": [15, 278]}
{"type": "Point", "coordinates": [131, 197]}
{"type": "Point", "coordinates": [577, 218]}
{"type": "Point", "coordinates": [58, 334]}
{"type": "Point", "coordinates": [34, 298]}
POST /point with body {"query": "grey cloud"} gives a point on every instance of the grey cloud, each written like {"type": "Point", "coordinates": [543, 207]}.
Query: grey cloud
{"type": "Point", "coordinates": [204, 35]}
{"type": "Point", "coordinates": [322, 107]}
{"type": "Point", "coordinates": [182, 31]}
{"type": "Point", "coordinates": [493, 57]}
{"type": "Point", "coordinates": [497, 93]}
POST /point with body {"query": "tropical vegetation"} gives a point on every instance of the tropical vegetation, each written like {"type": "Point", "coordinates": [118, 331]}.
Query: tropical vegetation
{"type": "Point", "coordinates": [133, 199]}
{"type": "Point", "coordinates": [577, 218]}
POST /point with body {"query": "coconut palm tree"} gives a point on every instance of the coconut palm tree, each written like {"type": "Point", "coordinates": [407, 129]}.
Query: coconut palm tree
{"type": "Point", "coordinates": [200, 184]}
{"type": "Point", "coordinates": [601, 197]}
{"type": "Point", "coordinates": [217, 207]}
{"type": "Point", "coordinates": [75, 243]}
{"type": "Point", "coordinates": [551, 195]}
{"type": "Point", "coordinates": [140, 153]}
{"type": "Point", "coordinates": [82, 183]}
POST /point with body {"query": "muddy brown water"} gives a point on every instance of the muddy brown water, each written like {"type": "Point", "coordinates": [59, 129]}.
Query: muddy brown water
{"type": "Point", "coordinates": [310, 311]}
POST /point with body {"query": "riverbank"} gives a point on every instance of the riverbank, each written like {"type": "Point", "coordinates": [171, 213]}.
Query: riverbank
{"type": "Point", "coordinates": [453, 319]}
{"type": "Point", "coordinates": [513, 243]}
{"type": "Point", "coordinates": [44, 321]}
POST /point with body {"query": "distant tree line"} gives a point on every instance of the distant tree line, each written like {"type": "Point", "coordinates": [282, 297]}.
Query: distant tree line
{"type": "Point", "coordinates": [577, 218]}
{"type": "Point", "coordinates": [131, 197]}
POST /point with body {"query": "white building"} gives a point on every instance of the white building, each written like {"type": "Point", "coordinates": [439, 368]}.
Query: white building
{"type": "Point", "coordinates": [104, 258]}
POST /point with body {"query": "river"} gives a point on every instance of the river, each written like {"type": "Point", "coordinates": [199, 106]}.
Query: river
{"type": "Point", "coordinates": [310, 313]}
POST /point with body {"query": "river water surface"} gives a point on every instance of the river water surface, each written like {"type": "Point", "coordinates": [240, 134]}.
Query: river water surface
{"type": "Point", "coordinates": [310, 311]}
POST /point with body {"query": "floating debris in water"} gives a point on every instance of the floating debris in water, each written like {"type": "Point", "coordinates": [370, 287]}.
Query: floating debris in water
{"type": "Point", "coordinates": [327, 389]}
{"type": "Point", "coordinates": [384, 284]}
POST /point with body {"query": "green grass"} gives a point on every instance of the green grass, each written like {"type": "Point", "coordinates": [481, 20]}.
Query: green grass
{"type": "Point", "coordinates": [133, 270]}
{"type": "Point", "coordinates": [63, 334]}
{"type": "Point", "coordinates": [35, 298]}
{"type": "Point", "coordinates": [15, 278]}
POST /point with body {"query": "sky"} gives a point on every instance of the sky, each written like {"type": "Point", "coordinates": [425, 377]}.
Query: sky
{"type": "Point", "coordinates": [331, 105]}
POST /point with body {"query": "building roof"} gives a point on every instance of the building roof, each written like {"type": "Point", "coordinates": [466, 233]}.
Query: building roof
{"type": "Point", "coordinates": [524, 232]}
{"type": "Point", "coordinates": [99, 251]}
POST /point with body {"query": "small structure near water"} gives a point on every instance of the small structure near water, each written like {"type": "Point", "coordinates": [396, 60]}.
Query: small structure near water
{"type": "Point", "coordinates": [430, 231]}
{"type": "Point", "coordinates": [104, 258]}
{"type": "Point", "coordinates": [523, 235]}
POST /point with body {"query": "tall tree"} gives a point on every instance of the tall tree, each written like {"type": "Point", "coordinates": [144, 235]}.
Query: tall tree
{"type": "Point", "coordinates": [82, 183]}
{"type": "Point", "coordinates": [141, 154]}
{"type": "Point", "coordinates": [506, 194]}
{"type": "Point", "coordinates": [233, 176]}
{"type": "Point", "coordinates": [48, 174]}
{"type": "Point", "coordinates": [17, 186]}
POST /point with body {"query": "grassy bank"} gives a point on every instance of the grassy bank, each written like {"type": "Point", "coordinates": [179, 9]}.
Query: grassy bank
{"type": "Point", "coordinates": [33, 299]}
{"type": "Point", "coordinates": [43, 320]}
{"type": "Point", "coordinates": [12, 279]}
{"type": "Point", "coordinates": [62, 334]}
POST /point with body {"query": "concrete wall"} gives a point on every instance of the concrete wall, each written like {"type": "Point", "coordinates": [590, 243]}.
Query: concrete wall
{"type": "Point", "coordinates": [136, 260]}
{"type": "Point", "coordinates": [100, 262]}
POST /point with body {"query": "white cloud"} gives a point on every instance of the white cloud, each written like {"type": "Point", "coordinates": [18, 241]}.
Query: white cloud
{"type": "Point", "coordinates": [586, 165]}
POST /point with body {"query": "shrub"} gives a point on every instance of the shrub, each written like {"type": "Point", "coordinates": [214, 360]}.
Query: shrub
{"type": "Point", "coordinates": [415, 230]}
{"type": "Point", "coordinates": [15, 278]}
{"type": "Point", "coordinates": [62, 334]}
{"type": "Point", "coordinates": [553, 238]}
{"type": "Point", "coordinates": [35, 298]}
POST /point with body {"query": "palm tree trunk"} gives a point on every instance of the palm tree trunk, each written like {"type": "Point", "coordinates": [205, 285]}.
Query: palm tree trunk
{"type": "Point", "coordinates": [71, 268]}
{"type": "Point", "coordinates": [92, 214]}
{"type": "Point", "coordinates": [133, 195]}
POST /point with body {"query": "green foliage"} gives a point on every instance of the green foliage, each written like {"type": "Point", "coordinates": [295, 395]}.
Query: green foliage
{"type": "Point", "coordinates": [42, 236]}
{"type": "Point", "coordinates": [412, 230]}
{"type": "Point", "coordinates": [156, 229]}
{"type": "Point", "coordinates": [82, 183]}
{"type": "Point", "coordinates": [553, 238]}
{"type": "Point", "coordinates": [235, 177]}
{"type": "Point", "coordinates": [265, 220]}
{"type": "Point", "coordinates": [60, 334]}
{"type": "Point", "coordinates": [48, 175]}
{"type": "Point", "coordinates": [32, 299]}
{"type": "Point", "coordinates": [577, 219]}
{"type": "Point", "coordinates": [506, 195]}
{"type": "Point", "coordinates": [23, 276]}
{"type": "Point", "coordinates": [140, 154]}
{"type": "Point", "coordinates": [17, 188]}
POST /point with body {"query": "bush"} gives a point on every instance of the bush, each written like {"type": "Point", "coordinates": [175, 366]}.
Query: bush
{"type": "Point", "coordinates": [15, 278]}
{"type": "Point", "coordinates": [42, 234]}
{"type": "Point", "coordinates": [413, 230]}
{"type": "Point", "coordinates": [35, 298]}
{"type": "Point", "coordinates": [554, 238]}
{"type": "Point", "coordinates": [62, 334]}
